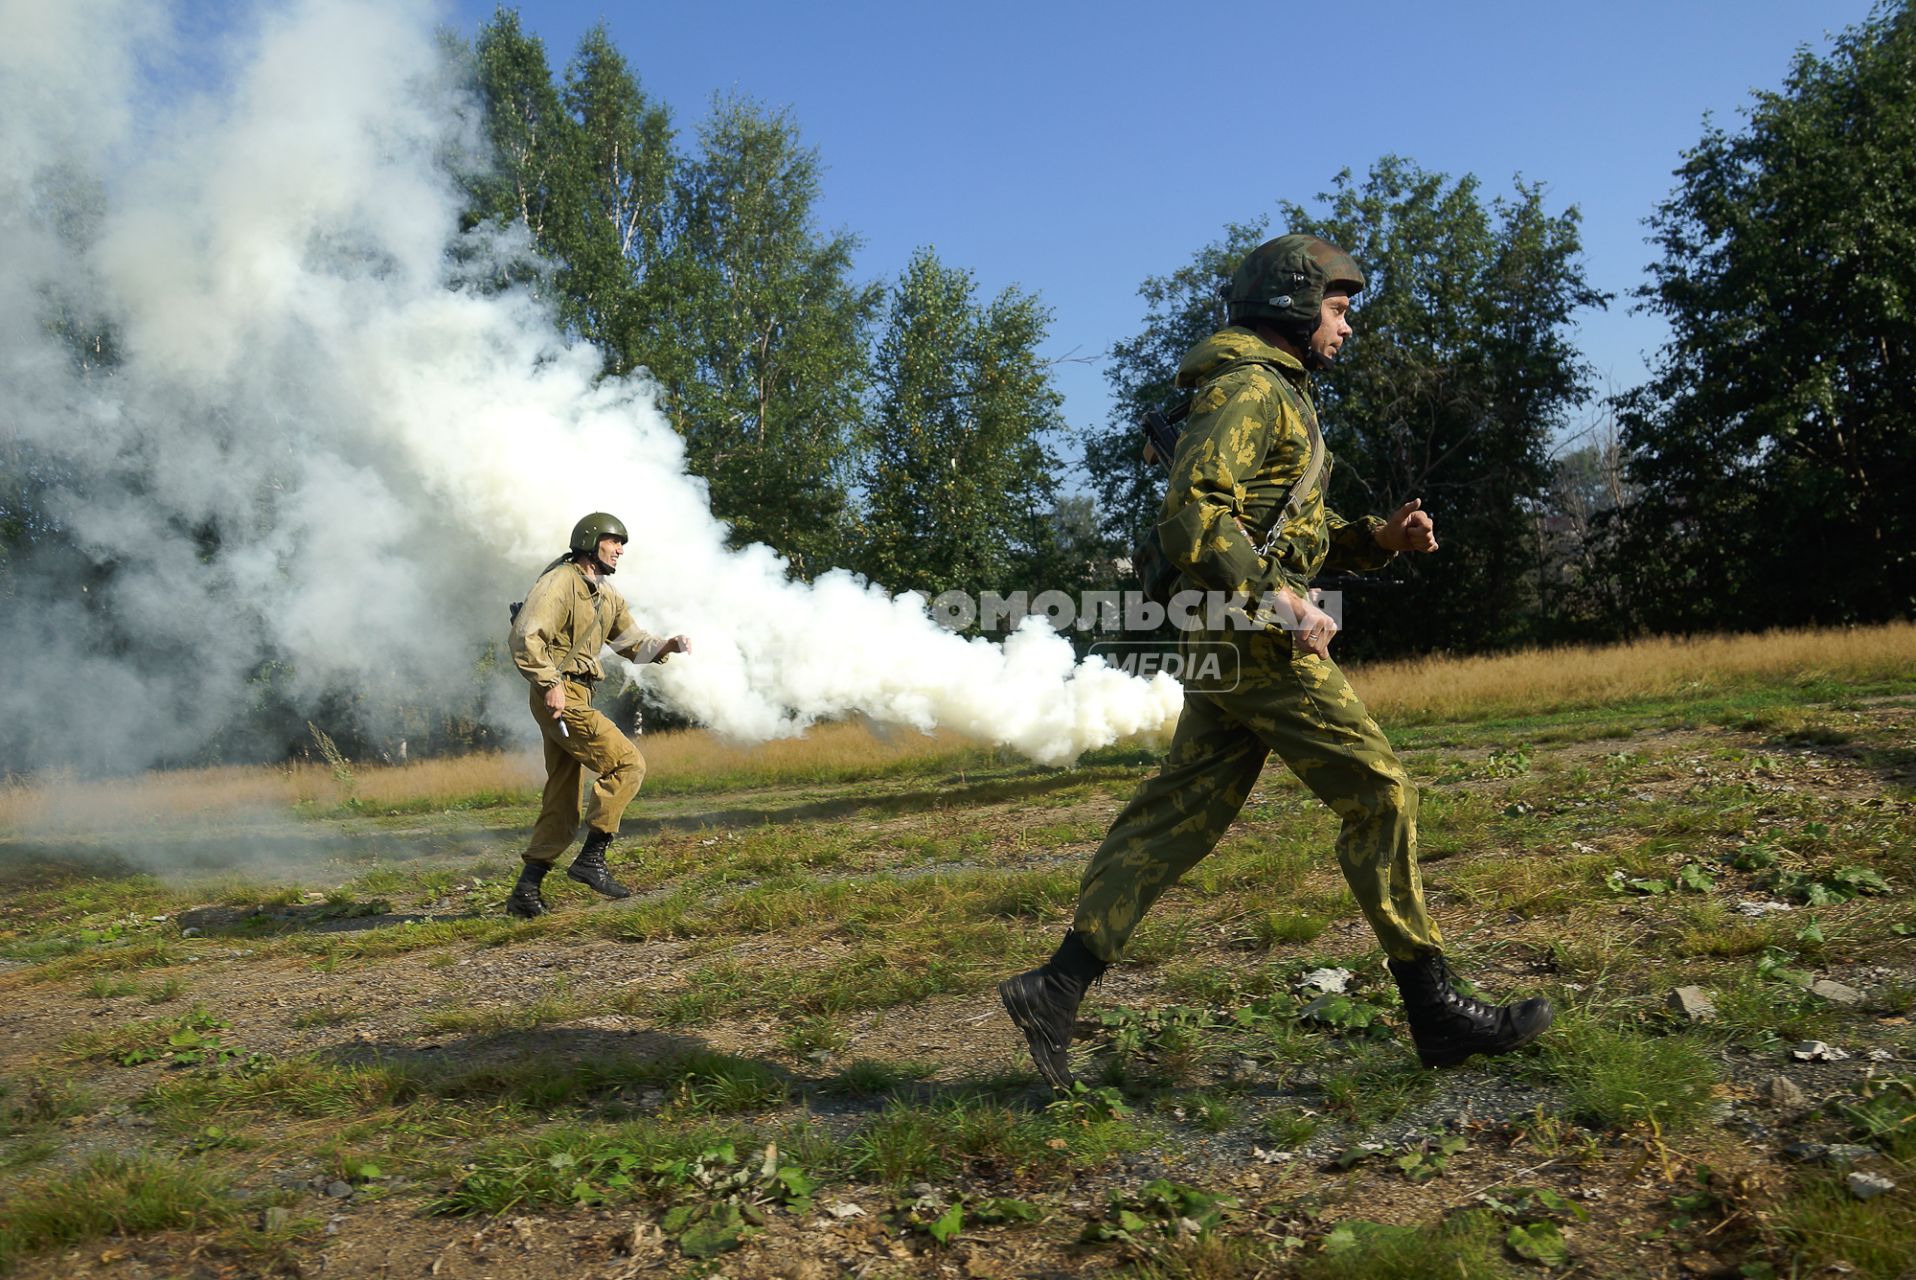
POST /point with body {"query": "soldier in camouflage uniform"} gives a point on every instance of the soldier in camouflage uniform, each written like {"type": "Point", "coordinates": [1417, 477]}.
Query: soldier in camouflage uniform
{"type": "Point", "coordinates": [1249, 441]}
{"type": "Point", "coordinates": [571, 614]}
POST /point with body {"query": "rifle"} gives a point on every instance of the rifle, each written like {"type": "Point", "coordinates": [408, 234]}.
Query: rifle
{"type": "Point", "coordinates": [1161, 428]}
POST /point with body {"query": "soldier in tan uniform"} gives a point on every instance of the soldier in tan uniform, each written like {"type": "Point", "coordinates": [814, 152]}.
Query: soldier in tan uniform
{"type": "Point", "coordinates": [571, 614]}
{"type": "Point", "coordinates": [1245, 516]}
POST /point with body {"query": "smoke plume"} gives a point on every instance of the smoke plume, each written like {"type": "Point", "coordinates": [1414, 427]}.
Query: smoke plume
{"type": "Point", "coordinates": [276, 421]}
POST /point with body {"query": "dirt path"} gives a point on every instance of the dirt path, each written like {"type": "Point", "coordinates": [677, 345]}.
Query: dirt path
{"type": "Point", "coordinates": [1274, 1114]}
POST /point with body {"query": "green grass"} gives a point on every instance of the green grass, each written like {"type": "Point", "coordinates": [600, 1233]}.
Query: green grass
{"type": "Point", "coordinates": [113, 1195]}
{"type": "Point", "coordinates": [719, 1085]}
{"type": "Point", "coordinates": [1467, 1246]}
{"type": "Point", "coordinates": [1615, 1079]}
{"type": "Point", "coordinates": [1285, 928]}
{"type": "Point", "coordinates": [516, 1015]}
{"type": "Point", "coordinates": [866, 1076]}
{"type": "Point", "coordinates": [304, 1089]}
{"type": "Point", "coordinates": [1372, 1083]}
{"type": "Point", "coordinates": [820, 1033]}
{"type": "Point", "coordinates": [1289, 1127]}
{"type": "Point", "coordinates": [909, 1142]}
{"type": "Point", "coordinates": [1821, 1224]}
{"type": "Point", "coordinates": [1213, 1113]}
{"type": "Point", "coordinates": [568, 1163]}
{"type": "Point", "coordinates": [1883, 1114]}
{"type": "Point", "coordinates": [141, 953]}
{"type": "Point", "coordinates": [30, 1104]}
{"type": "Point", "coordinates": [143, 1040]}
{"type": "Point", "coordinates": [870, 977]}
{"type": "Point", "coordinates": [902, 1144]}
{"type": "Point", "coordinates": [326, 1015]}
{"type": "Point", "coordinates": [820, 915]}
{"type": "Point", "coordinates": [1758, 1012]}
{"type": "Point", "coordinates": [163, 992]}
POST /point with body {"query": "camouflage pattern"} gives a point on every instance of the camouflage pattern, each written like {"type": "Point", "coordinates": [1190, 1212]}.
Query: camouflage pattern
{"type": "Point", "coordinates": [1246, 443]}
{"type": "Point", "coordinates": [590, 742]}
{"type": "Point", "coordinates": [1301, 707]}
{"type": "Point", "coordinates": [1284, 280]}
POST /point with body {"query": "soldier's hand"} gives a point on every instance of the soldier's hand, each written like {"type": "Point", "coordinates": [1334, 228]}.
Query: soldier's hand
{"type": "Point", "coordinates": [677, 644]}
{"type": "Point", "coordinates": [1409, 528]}
{"type": "Point", "coordinates": [1312, 628]}
{"type": "Point", "coordinates": [555, 699]}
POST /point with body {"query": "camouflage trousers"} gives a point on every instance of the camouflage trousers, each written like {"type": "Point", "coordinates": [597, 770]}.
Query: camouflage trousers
{"type": "Point", "coordinates": [590, 742]}
{"type": "Point", "coordinates": [1301, 707]}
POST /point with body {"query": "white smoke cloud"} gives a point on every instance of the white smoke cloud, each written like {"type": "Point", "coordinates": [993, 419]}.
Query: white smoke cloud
{"type": "Point", "coordinates": [386, 456]}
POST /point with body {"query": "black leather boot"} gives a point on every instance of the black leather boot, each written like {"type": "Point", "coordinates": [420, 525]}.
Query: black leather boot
{"type": "Point", "coordinates": [524, 900]}
{"type": "Point", "coordinates": [589, 867]}
{"type": "Point", "coordinates": [1044, 1003]}
{"type": "Point", "coordinates": [1448, 1027]}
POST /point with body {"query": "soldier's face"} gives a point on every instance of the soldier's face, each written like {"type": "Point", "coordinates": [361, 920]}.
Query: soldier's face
{"type": "Point", "coordinates": [1333, 326]}
{"type": "Point", "coordinates": [610, 549]}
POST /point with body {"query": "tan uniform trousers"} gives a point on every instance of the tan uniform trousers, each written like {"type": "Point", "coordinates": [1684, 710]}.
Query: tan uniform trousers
{"type": "Point", "coordinates": [590, 742]}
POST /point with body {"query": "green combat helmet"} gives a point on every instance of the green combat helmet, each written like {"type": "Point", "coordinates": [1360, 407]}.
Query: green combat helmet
{"type": "Point", "coordinates": [600, 524]}
{"type": "Point", "coordinates": [1283, 282]}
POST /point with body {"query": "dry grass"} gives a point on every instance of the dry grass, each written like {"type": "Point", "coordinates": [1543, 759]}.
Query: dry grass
{"type": "Point", "coordinates": [829, 750]}
{"type": "Point", "coordinates": [690, 760]}
{"type": "Point", "coordinates": [1542, 680]}
{"type": "Point", "coordinates": [56, 801]}
{"type": "Point", "coordinates": [1528, 682]}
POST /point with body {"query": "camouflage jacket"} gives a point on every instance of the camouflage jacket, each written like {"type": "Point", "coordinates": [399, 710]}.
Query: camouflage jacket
{"type": "Point", "coordinates": [1243, 448]}
{"type": "Point", "coordinates": [567, 618]}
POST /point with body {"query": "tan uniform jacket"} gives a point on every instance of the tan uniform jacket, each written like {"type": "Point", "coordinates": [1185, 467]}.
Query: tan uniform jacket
{"type": "Point", "coordinates": [567, 619]}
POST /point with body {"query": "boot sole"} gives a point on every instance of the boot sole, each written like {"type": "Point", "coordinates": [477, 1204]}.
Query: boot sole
{"type": "Point", "coordinates": [1053, 1064]}
{"type": "Point", "coordinates": [614, 893]}
{"type": "Point", "coordinates": [1451, 1060]}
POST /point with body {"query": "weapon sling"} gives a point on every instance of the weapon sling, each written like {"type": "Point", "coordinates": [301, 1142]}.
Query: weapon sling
{"type": "Point", "coordinates": [1155, 572]}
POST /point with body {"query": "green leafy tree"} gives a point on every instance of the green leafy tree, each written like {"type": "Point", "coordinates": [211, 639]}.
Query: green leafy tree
{"type": "Point", "coordinates": [705, 269]}
{"type": "Point", "coordinates": [770, 331]}
{"type": "Point", "coordinates": [1773, 444]}
{"type": "Point", "coordinates": [1460, 373]}
{"type": "Point", "coordinates": [959, 479]}
{"type": "Point", "coordinates": [531, 135]}
{"type": "Point", "coordinates": [615, 206]}
{"type": "Point", "coordinates": [585, 169]}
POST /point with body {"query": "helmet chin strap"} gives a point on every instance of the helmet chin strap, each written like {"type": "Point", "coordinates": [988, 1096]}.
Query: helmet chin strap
{"type": "Point", "coordinates": [1307, 355]}
{"type": "Point", "coordinates": [605, 570]}
{"type": "Point", "coordinates": [1313, 359]}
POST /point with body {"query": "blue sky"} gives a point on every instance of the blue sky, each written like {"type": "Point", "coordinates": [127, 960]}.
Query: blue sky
{"type": "Point", "coordinates": [1072, 149]}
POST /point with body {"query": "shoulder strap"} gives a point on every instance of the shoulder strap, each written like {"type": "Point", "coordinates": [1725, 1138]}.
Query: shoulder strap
{"type": "Point", "coordinates": [1313, 469]}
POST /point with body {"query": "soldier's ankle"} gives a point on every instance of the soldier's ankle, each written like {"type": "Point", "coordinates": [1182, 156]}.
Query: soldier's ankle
{"type": "Point", "coordinates": [1076, 960]}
